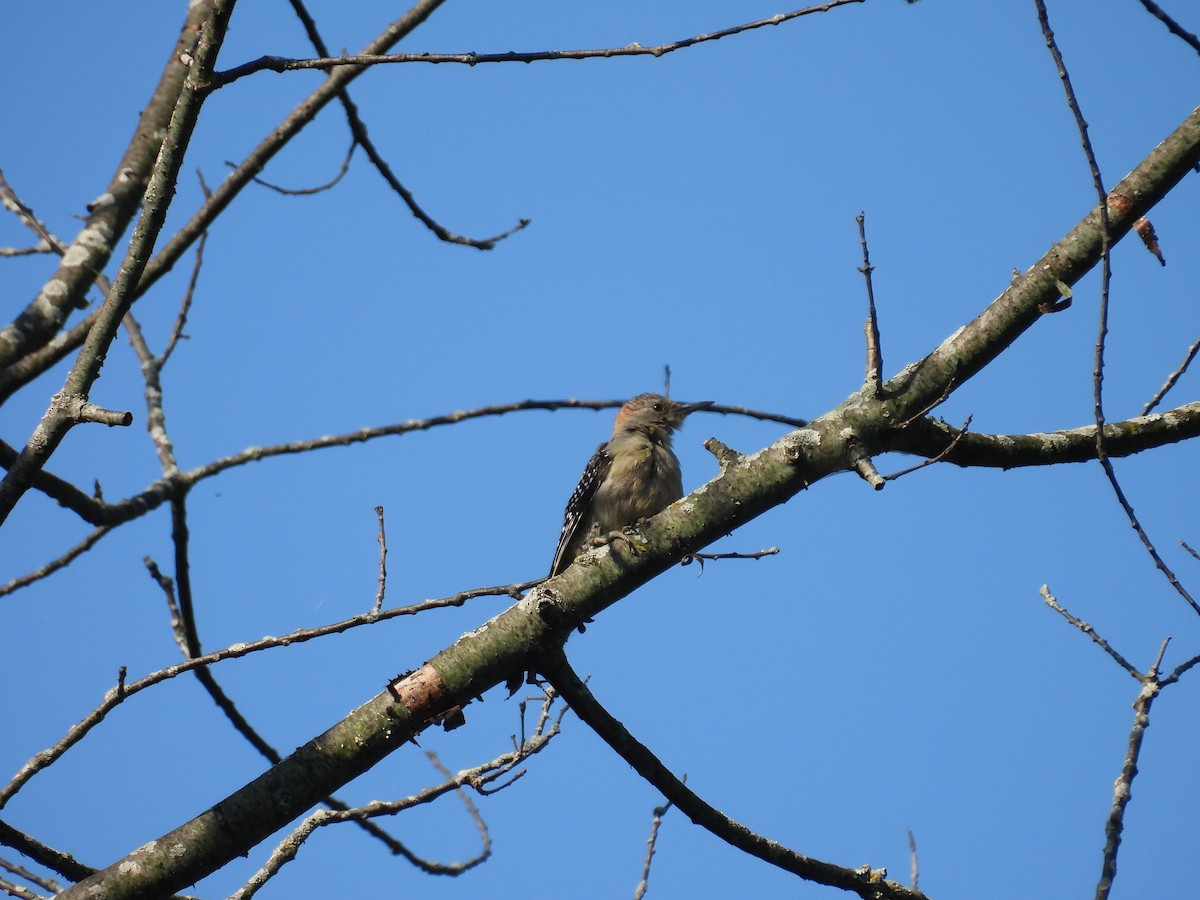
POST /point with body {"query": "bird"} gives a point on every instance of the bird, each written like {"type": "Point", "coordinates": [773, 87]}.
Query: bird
{"type": "Point", "coordinates": [631, 476]}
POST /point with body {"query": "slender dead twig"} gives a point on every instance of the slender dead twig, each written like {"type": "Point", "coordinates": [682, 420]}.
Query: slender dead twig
{"type": "Point", "coordinates": [46, 884]}
{"type": "Point", "coordinates": [59, 563]}
{"type": "Point", "coordinates": [651, 844]}
{"type": "Point", "coordinates": [54, 860]}
{"type": "Point", "coordinates": [13, 203]}
{"type": "Point", "coordinates": [1052, 602]}
{"type": "Point", "coordinates": [189, 293]}
{"type": "Point", "coordinates": [874, 353]}
{"type": "Point", "coordinates": [283, 64]}
{"type": "Point", "coordinates": [308, 191]}
{"type": "Point", "coordinates": [959, 435]}
{"type": "Point", "coordinates": [1174, 27]}
{"type": "Point", "coordinates": [702, 557]}
{"type": "Point", "coordinates": [915, 872]}
{"type": "Point", "coordinates": [97, 512]}
{"type": "Point", "coordinates": [1172, 379]}
{"type": "Point", "coordinates": [383, 551]}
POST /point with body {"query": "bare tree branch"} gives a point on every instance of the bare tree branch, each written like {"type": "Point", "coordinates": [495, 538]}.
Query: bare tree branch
{"type": "Point", "coordinates": [111, 212]}
{"type": "Point", "coordinates": [934, 438]}
{"type": "Point", "coordinates": [54, 860]}
{"type": "Point", "coordinates": [1157, 11]}
{"type": "Point", "coordinates": [61, 562]}
{"type": "Point", "coordinates": [870, 885]}
{"type": "Point", "coordinates": [1120, 201]}
{"type": "Point", "coordinates": [1087, 629]}
{"type": "Point", "coordinates": [1172, 378]}
{"type": "Point", "coordinates": [309, 191]}
{"type": "Point", "coordinates": [283, 64]}
{"type": "Point", "coordinates": [475, 777]}
{"type": "Point", "coordinates": [158, 193]}
{"type": "Point", "coordinates": [651, 844]}
{"type": "Point", "coordinates": [874, 352]}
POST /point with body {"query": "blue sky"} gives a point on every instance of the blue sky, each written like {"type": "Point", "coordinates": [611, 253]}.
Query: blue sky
{"type": "Point", "coordinates": [893, 668]}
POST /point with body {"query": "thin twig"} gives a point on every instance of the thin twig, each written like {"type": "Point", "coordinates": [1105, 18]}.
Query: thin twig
{"type": "Point", "coordinates": [874, 353]}
{"type": "Point", "coordinates": [962, 432]}
{"type": "Point", "coordinates": [1089, 631]}
{"type": "Point", "coordinates": [39, 248]}
{"type": "Point", "coordinates": [167, 585]}
{"type": "Point", "coordinates": [383, 551]}
{"type": "Point", "coordinates": [1180, 670]}
{"type": "Point", "coordinates": [10, 200]}
{"type": "Point", "coordinates": [651, 843]}
{"type": "Point", "coordinates": [309, 191]}
{"type": "Point", "coordinates": [12, 889]}
{"type": "Point", "coordinates": [757, 554]}
{"type": "Point", "coordinates": [190, 292]}
{"type": "Point", "coordinates": [283, 64]}
{"type": "Point", "coordinates": [1157, 11]}
{"type": "Point", "coordinates": [912, 854]}
{"type": "Point", "coordinates": [485, 837]}
{"type": "Point", "coordinates": [54, 860]}
{"type": "Point", "coordinates": [96, 512]}
{"type": "Point", "coordinates": [46, 884]}
{"type": "Point", "coordinates": [1172, 378]}
{"type": "Point", "coordinates": [55, 564]}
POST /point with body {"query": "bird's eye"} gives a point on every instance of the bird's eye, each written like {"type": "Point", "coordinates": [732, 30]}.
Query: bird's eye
{"type": "Point", "coordinates": [658, 407]}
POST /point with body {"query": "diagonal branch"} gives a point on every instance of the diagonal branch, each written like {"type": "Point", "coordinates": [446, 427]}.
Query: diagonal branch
{"type": "Point", "coordinates": [1172, 378]}
{"type": "Point", "coordinates": [1172, 26]}
{"type": "Point", "coordinates": [59, 419]}
{"type": "Point", "coordinates": [864, 882]}
{"type": "Point", "coordinates": [110, 213]}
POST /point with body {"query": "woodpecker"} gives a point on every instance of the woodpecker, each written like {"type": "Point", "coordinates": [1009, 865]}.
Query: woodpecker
{"type": "Point", "coordinates": [631, 476]}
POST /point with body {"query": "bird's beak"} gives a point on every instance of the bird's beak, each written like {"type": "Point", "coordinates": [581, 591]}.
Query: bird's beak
{"type": "Point", "coordinates": [686, 408]}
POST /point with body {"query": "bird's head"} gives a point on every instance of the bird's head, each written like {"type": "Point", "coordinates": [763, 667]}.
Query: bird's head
{"type": "Point", "coordinates": [655, 415]}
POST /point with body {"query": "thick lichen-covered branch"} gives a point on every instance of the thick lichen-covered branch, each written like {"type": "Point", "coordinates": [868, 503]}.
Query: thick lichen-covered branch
{"type": "Point", "coordinates": [110, 213]}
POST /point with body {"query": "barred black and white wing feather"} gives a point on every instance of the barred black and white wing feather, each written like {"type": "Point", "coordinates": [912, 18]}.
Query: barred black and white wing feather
{"type": "Point", "coordinates": [576, 519]}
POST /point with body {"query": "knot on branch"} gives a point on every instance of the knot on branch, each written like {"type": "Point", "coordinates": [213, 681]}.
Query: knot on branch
{"type": "Point", "coordinates": [860, 461]}
{"type": "Point", "coordinates": [725, 456]}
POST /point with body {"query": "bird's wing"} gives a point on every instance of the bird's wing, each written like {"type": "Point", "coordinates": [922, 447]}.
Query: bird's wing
{"type": "Point", "coordinates": [578, 506]}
